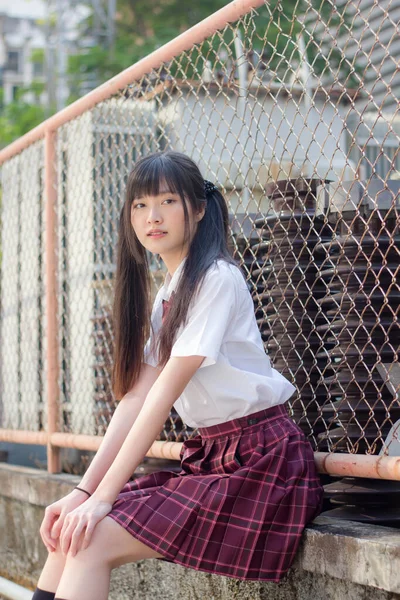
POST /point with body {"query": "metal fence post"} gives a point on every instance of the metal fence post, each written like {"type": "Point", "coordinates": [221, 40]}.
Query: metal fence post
{"type": "Point", "coordinates": [53, 395]}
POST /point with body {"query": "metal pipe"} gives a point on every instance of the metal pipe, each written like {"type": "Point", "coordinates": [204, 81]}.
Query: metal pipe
{"type": "Point", "coordinates": [242, 66]}
{"type": "Point", "coordinates": [159, 449]}
{"type": "Point", "coordinates": [15, 436]}
{"type": "Point", "coordinates": [193, 36]}
{"type": "Point", "coordinates": [358, 465]}
{"type": "Point", "coordinates": [53, 392]}
{"type": "Point", "coordinates": [13, 591]}
{"type": "Point", "coordinates": [336, 464]}
{"type": "Point", "coordinates": [306, 79]}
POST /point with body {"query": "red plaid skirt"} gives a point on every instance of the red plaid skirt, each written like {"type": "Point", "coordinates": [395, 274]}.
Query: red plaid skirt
{"type": "Point", "coordinates": [239, 505]}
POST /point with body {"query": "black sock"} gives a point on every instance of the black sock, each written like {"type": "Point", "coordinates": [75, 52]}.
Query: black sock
{"type": "Point", "coordinates": [42, 595]}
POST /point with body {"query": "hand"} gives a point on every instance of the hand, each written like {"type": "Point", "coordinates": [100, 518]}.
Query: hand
{"type": "Point", "coordinates": [79, 525]}
{"type": "Point", "coordinates": [54, 516]}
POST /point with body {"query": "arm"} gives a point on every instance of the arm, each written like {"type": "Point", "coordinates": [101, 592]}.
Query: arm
{"type": "Point", "coordinates": [123, 418]}
{"type": "Point", "coordinates": [166, 390]}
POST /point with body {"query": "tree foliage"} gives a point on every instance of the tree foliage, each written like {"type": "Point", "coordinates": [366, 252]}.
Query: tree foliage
{"type": "Point", "coordinates": [18, 117]}
{"type": "Point", "coordinates": [144, 25]}
{"type": "Point", "coordinates": [141, 26]}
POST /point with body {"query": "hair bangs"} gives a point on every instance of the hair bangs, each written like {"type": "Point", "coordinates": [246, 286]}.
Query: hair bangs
{"type": "Point", "coordinates": [157, 176]}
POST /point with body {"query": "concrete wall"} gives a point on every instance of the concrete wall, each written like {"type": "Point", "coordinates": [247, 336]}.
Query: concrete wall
{"type": "Point", "coordinates": [336, 561]}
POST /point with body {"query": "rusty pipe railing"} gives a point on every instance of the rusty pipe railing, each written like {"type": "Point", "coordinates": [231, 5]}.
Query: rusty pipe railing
{"type": "Point", "coordinates": [184, 95]}
{"type": "Point", "coordinates": [195, 35]}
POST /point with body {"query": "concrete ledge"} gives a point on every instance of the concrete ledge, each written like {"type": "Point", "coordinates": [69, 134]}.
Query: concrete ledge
{"type": "Point", "coordinates": [39, 488]}
{"type": "Point", "coordinates": [364, 554]}
{"type": "Point", "coordinates": [337, 559]}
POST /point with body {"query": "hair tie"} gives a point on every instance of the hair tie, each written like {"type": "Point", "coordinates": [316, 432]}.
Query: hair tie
{"type": "Point", "coordinates": [209, 187]}
{"type": "Point", "coordinates": [82, 490]}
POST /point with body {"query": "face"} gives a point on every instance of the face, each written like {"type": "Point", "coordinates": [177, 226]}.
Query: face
{"type": "Point", "coordinates": [159, 224]}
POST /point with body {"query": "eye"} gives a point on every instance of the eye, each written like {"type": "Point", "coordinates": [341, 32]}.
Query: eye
{"type": "Point", "coordinates": [169, 200]}
{"type": "Point", "coordinates": [137, 205]}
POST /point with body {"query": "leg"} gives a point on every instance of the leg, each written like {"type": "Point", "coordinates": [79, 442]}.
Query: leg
{"type": "Point", "coordinates": [87, 575]}
{"type": "Point", "coordinates": [52, 571]}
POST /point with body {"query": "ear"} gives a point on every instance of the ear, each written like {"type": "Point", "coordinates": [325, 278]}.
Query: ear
{"type": "Point", "coordinates": [200, 214]}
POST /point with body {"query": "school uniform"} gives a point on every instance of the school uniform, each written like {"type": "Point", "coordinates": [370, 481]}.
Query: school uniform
{"type": "Point", "coordinates": [248, 483]}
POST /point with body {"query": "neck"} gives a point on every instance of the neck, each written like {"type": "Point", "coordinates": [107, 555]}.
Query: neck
{"type": "Point", "coordinates": [173, 262]}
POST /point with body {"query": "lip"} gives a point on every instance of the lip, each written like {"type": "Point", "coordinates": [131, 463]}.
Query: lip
{"type": "Point", "coordinates": [156, 233]}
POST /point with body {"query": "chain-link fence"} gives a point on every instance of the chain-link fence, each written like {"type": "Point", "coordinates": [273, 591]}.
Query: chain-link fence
{"type": "Point", "coordinates": [293, 111]}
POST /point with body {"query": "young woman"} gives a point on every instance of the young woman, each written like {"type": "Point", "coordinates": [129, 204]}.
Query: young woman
{"type": "Point", "coordinates": [248, 484]}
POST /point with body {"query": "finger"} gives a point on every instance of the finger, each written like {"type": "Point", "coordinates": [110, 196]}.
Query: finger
{"type": "Point", "coordinates": [47, 523]}
{"type": "Point", "coordinates": [57, 526]}
{"type": "Point", "coordinates": [49, 548]}
{"type": "Point", "coordinates": [88, 534]}
{"type": "Point", "coordinates": [73, 549]}
{"type": "Point", "coordinates": [49, 545]}
{"type": "Point", "coordinates": [65, 536]}
{"type": "Point", "coordinates": [45, 528]}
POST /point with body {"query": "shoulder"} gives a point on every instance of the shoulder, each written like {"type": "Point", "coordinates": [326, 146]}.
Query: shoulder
{"type": "Point", "coordinates": [227, 274]}
{"type": "Point", "coordinates": [223, 283]}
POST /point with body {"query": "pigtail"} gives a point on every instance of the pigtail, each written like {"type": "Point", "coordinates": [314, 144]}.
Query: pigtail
{"type": "Point", "coordinates": [209, 244]}
{"type": "Point", "coordinates": [131, 308]}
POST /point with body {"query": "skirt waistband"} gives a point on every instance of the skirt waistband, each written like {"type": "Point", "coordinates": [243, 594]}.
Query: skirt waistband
{"type": "Point", "coordinates": [240, 423]}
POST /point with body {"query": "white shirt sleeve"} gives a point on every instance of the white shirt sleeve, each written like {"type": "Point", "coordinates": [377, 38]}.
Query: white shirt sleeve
{"type": "Point", "coordinates": [209, 316]}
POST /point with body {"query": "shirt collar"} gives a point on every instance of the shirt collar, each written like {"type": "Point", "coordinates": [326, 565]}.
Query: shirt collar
{"type": "Point", "coordinates": [171, 283]}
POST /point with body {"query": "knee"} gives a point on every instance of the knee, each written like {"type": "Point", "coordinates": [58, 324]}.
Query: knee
{"type": "Point", "coordinates": [95, 555]}
{"type": "Point", "coordinates": [56, 557]}
{"type": "Point", "coordinates": [90, 558]}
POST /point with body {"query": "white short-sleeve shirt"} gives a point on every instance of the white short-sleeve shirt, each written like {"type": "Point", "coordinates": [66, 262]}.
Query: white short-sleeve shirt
{"type": "Point", "coordinates": [236, 378]}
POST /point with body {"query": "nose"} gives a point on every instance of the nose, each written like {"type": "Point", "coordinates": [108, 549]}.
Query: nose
{"type": "Point", "coordinates": [154, 215]}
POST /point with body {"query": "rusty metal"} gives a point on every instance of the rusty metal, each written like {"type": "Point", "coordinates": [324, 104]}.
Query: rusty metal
{"type": "Point", "coordinates": [361, 308]}
{"type": "Point", "coordinates": [50, 190]}
{"type": "Point", "coordinates": [284, 276]}
{"type": "Point", "coordinates": [256, 95]}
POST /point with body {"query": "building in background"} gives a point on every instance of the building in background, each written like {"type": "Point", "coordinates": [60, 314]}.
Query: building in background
{"type": "Point", "coordinates": [374, 48]}
{"type": "Point", "coordinates": [20, 35]}
{"type": "Point", "coordinates": [36, 39]}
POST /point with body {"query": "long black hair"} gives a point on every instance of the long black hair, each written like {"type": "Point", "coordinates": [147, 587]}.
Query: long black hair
{"type": "Point", "coordinates": [132, 304]}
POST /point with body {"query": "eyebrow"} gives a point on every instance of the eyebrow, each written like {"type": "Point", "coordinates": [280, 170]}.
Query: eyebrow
{"type": "Point", "coordinates": [160, 193]}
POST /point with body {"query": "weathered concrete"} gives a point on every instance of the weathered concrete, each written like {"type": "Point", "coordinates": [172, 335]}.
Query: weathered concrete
{"type": "Point", "coordinates": [337, 560]}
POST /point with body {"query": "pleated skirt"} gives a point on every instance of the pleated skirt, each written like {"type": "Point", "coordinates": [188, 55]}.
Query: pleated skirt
{"type": "Point", "coordinates": [238, 507]}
